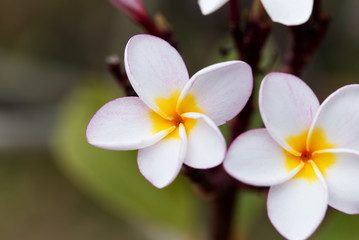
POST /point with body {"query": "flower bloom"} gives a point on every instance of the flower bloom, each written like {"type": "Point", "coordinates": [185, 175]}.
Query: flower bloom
{"type": "Point", "coordinates": [174, 120]}
{"type": "Point", "coordinates": [287, 12]}
{"type": "Point", "coordinates": [308, 154]}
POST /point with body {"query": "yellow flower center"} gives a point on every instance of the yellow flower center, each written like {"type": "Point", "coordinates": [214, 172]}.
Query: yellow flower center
{"type": "Point", "coordinates": [308, 154]}
{"type": "Point", "coordinates": [172, 114]}
{"type": "Point", "coordinates": [305, 156]}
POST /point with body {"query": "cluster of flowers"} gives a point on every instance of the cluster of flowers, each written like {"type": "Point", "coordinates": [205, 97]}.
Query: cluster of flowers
{"type": "Point", "coordinates": [308, 154]}
{"type": "Point", "coordinates": [287, 12]}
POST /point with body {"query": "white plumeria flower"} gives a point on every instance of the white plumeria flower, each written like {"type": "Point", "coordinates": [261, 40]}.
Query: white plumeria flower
{"type": "Point", "coordinates": [287, 12]}
{"type": "Point", "coordinates": [174, 120]}
{"type": "Point", "coordinates": [308, 154]}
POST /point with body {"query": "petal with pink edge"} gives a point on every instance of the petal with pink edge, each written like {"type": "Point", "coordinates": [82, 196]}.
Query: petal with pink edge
{"type": "Point", "coordinates": [154, 68]}
{"type": "Point", "coordinates": [206, 145]}
{"type": "Point", "coordinates": [287, 107]}
{"type": "Point", "coordinates": [289, 12]}
{"type": "Point", "coordinates": [123, 124]}
{"type": "Point", "coordinates": [297, 207]}
{"type": "Point", "coordinates": [338, 117]}
{"type": "Point", "coordinates": [161, 162]}
{"type": "Point", "coordinates": [210, 6]}
{"type": "Point", "coordinates": [342, 179]}
{"type": "Point", "coordinates": [255, 158]}
{"type": "Point", "coordinates": [220, 90]}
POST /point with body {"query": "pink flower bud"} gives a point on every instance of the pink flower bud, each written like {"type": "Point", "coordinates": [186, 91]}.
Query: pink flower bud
{"type": "Point", "coordinates": [134, 8]}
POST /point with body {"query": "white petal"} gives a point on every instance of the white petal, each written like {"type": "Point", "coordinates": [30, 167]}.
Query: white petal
{"type": "Point", "coordinates": [206, 144]}
{"type": "Point", "coordinates": [289, 12]}
{"type": "Point", "coordinates": [161, 162]}
{"type": "Point", "coordinates": [297, 207]}
{"type": "Point", "coordinates": [342, 179]}
{"type": "Point", "coordinates": [221, 90]}
{"type": "Point", "coordinates": [209, 6]}
{"type": "Point", "coordinates": [154, 68]}
{"type": "Point", "coordinates": [338, 116]}
{"type": "Point", "coordinates": [287, 107]}
{"type": "Point", "coordinates": [123, 124]}
{"type": "Point", "coordinates": [256, 159]}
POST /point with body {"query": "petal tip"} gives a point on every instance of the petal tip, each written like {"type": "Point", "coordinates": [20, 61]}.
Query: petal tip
{"type": "Point", "coordinates": [207, 7]}
{"type": "Point", "coordinates": [287, 12]}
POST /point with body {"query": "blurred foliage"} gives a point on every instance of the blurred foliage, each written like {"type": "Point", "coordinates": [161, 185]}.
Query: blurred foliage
{"type": "Point", "coordinates": [38, 203]}
{"type": "Point", "coordinates": [45, 48]}
{"type": "Point", "coordinates": [112, 177]}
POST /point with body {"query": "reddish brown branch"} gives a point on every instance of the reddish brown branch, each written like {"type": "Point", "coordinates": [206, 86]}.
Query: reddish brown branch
{"type": "Point", "coordinates": [114, 67]}
{"type": "Point", "coordinates": [223, 211]}
{"type": "Point", "coordinates": [249, 43]}
{"type": "Point", "coordinates": [221, 189]}
{"type": "Point", "coordinates": [254, 38]}
{"type": "Point", "coordinates": [233, 22]}
{"type": "Point", "coordinates": [306, 39]}
{"type": "Point", "coordinates": [202, 179]}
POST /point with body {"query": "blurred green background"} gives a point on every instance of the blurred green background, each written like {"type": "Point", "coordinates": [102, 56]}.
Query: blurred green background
{"type": "Point", "coordinates": [53, 78]}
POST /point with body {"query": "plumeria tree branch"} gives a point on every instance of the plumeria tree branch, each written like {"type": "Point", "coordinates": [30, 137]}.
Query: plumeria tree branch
{"type": "Point", "coordinates": [223, 209]}
{"type": "Point", "coordinates": [249, 43]}
{"type": "Point", "coordinates": [306, 39]}
{"type": "Point", "coordinates": [250, 40]}
{"type": "Point", "coordinates": [201, 179]}
{"type": "Point", "coordinates": [221, 190]}
{"type": "Point", "coordinates": [234, 24]}
{"type": "Point", "coordinates": [115, 68]}
{"type": "Point", "coordinates": [255, 36]}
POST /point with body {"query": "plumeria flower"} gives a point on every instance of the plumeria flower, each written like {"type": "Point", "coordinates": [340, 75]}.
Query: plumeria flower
{"type": "Point", "coordinates": [308, 154]}
{"type": "Point", "coordinates": [174, 120]}
{"type": "Point", "coordinates": [287, 12]}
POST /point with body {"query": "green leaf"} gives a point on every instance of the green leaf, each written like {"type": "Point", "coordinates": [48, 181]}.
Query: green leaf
{"type": "Point", "coordinates": [337, 225]}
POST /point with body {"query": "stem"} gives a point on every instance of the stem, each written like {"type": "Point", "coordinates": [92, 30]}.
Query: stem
{"type": "Point", "coordinates": [241, 122]}
{"type": "Point", "coordinates": [254, 38]}
{"type": "Point", "coordinates": [222, 211]}
{"type": "Point", "coordinates": [233, 22]}
{"type": "Point", "coordinates": [201, 178]}
{"type": "Point", "coordinates": [114, 67]}
{"type": "Point", "coordinates": [306, 39]}
{"type": "Point", "coordinates": [164, 31]}
{"type": "Point", "coordinates": [249, 44]}
{"type": "Point", "coordinates": [150, 27]}
{"type": "Point", "coordinates": [215, 184]}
